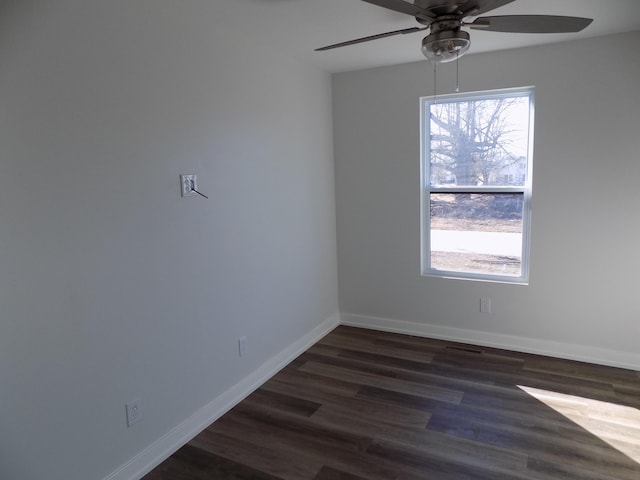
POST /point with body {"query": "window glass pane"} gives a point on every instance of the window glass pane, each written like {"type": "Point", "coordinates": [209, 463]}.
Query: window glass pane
{"type": "Point", "coordinates": [479, 142]}
{"type": "Point", "coordinates": [476, 232]}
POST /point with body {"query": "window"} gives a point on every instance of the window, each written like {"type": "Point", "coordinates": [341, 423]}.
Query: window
{"type": "Point", "coordinates": [476, 185]}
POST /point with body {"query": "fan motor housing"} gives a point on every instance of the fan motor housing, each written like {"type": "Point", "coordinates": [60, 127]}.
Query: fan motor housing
{"type": "Point", "coordinates": [446, 8]}
{"type": "Point", "coordinates": [445, 23]}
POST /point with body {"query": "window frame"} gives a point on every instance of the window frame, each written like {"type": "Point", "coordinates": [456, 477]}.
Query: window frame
{"type": "Point", "coordinates": [426, 189]}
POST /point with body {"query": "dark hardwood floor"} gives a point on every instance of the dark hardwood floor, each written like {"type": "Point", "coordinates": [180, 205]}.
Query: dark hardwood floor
{"type": "Point", "coordinates": [366, 405]}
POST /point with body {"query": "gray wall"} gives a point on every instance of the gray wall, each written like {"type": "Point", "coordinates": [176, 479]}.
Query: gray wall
{"type": "Point", "coordinates": [582, 301]}
{"type": "Point", "coordinates": [112, 287]}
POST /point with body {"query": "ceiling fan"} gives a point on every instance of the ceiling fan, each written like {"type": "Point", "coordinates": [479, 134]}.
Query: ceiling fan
{"type": "Point", "coordinates": [445, 19]}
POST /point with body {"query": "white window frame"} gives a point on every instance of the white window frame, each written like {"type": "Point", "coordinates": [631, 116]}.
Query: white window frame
{"type": "Point", "coordinates": [426, 189]}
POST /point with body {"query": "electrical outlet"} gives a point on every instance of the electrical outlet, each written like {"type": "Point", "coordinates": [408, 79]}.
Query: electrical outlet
{"type": "Point", "coordinates": [188, 185]}
{"type": "Point", "coordinates": [242, 346]}
{"type": "Point", "coordinates": [134, 413]}
{"type": "Point", "coordinates": [485, 305]}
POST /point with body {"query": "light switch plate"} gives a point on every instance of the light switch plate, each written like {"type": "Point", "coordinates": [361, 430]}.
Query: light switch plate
{"type": "Point", "coordinates": [188, 185]}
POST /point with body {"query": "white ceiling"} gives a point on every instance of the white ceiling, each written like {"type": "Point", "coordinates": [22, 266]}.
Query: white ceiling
{"type": "Point", "coordinates": [297, 27]}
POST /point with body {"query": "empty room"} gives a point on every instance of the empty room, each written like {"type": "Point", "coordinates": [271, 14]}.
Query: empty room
{"type": "Point", "coordinates": [228, 252]}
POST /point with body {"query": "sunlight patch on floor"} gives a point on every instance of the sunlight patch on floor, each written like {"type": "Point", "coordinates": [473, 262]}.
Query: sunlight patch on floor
{"type": "Point", "coordinates": [614, 424]}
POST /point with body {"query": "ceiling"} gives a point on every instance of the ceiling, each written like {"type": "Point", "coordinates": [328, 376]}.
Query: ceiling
{"type": "Point", "coordinates": [297, 27]}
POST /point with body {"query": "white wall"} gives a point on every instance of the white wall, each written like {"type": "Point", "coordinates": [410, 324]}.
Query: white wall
{"type": "Point", "coordinates": [112, 287]}
{"type": "Point", "coordinates": [582, 301]}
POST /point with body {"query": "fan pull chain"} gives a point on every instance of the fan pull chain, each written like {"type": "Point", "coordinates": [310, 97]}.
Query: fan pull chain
{"type": "Point", "coordinates": [435, 98]}
{"type": "Point", "coordinates": [457, 71]}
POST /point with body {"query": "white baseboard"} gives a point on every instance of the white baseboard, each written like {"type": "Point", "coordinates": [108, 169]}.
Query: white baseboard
{"type": "Point", "coordinates": [567, 351]}
{"type": "Point", "coordinates": [165, 446]}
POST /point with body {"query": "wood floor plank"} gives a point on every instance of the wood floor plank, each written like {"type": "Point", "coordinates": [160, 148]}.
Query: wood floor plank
{"type": "Point", "coordinates": [545, 445]}
{"type": "Point", "coordinates": [305, 442]}
{"type": "Point", "coordinates": [573, 468]}
{"type": "Point", "coordinates": [292, 430]}
{"type": "Point", "coordinates": [509, 377]}
{"type": "Point", "coordinates": [586, 371]}
{"type": "Point", "coordinates": [329, 473]}
{"type": "Point", "coordinates": [415, 461]}
{"type": "Point", "coordinates": [259, 456]}
{"type": "Point", "coordinates": [358, 408]}
{"type": "Point", "coordinates": [316, 385]}
{"type": "Point", "coordinates": [400, 352]}
{"type": "Point", "coordinates": [284, 402]}
{"type": "Point", "coordinates": [192, 463]}
{"type": "Point", "coordinates": [390, 359]}
{"type": "Point", "coordinates": [379, 370]}
{"type": "Point", "coordinates": [341, 373]}
{"type": "Point", "coordinates": [628, 393]}
{"type": "Point", "coordinates": [343, 419]}
{"type": "Point", "coordinates": [368, 405]}
{"type": "Point", "coordinates": [435, 445]}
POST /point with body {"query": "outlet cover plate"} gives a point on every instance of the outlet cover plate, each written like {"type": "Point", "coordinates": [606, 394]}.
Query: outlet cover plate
{"type": "Point", "coordinates": [485, 305]}
{"type": "Point", "coordinates": [134, 414]}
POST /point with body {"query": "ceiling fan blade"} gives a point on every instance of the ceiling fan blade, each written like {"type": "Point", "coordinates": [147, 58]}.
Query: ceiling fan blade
{"type": "Point", "coordinates": [531, 24]}
{"type": "Point", "coordinates": [478, 7]}
{"type": "Point", "coordinates": [372, 37]}
{"type": "Point", "coordinates": [403, 7]}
